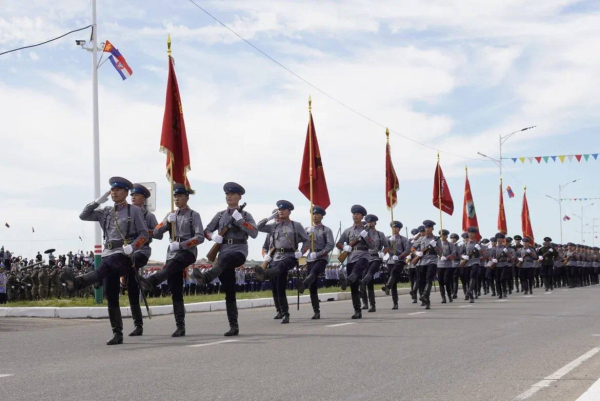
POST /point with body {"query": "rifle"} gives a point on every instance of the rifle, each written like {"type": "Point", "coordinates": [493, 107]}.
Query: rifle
{"type": "Point", "coordinates": [463, 262]}
{"type": "Point", "coordinates": [265, 264]}
{"type": "Point", "coordinates": [567, 259]}
{"type": "Point", "coordinates": [344, 255]}
{"type": "Point", "coordinates": [493, 265]}
{"type": "Point", "coordinates": [212, 254]}
{"type": "Point", "coordinates": [416, 259]}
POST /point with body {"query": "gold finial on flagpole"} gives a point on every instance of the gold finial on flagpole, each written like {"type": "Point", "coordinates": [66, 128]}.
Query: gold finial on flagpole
{"type": "Point", "coordinates": [309, 104]}
{"type": "Point", "coordinates": [387, 133]}
{"type": "Point", "coordinates": [169, 44]}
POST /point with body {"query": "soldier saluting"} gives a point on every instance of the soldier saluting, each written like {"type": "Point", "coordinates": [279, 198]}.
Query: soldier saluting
{"type": "Point", "coordinates": [125, 232]}
{"type": "Point", "coordinates": [233, 251]}
{"type": "Point", "coordinates": [182, 252]}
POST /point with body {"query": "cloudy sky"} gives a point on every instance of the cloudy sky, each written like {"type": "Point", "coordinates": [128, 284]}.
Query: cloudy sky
{"type": "Point", "coordinates": [450, 75]}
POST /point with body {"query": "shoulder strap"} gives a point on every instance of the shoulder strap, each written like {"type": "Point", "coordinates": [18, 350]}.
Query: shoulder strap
{"type": "Point", "coordinates": [191, 220]}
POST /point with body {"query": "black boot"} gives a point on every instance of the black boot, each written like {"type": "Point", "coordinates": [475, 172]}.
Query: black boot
{"type": "Point", "coordinates": [136, 314]}
{"type": "Point", "coordinates": [208, 276]}
{"type": "Point", "coordinates": [74, 284]}
{"type": "Point", "coordinates": [285, 319]}
{"type": "Point", "coordinates": [149, 284]}
{"type": "Point", "coordinates": [372, 301]}
{"type": "Point", "coordinates": [363, 296]}
{"type": "Point", "coordinates": [303, 285]}
{"type": "Point", "coordinates": [395, 306]}
{"type": "Point", "coordinates": [232, 316]}
{"type": "Point", "coordinates": [343, 281]}
{"type": "Point", "coordinates": [179, 312]}
{"type": "Point", "coordinates": [425, 297]}
{"type": "Point", "coordinates": [278, 316]}
{"type": "Point", "coordinates": [357, 314]}
{"type": "Point", "coordinates": [443, 297]}
{"type": "Point", "coordinates": [116, 322]}
{"type": "Point", "coordinates": [314, 300]}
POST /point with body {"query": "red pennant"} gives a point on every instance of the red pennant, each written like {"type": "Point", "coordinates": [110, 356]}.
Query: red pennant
{"type": "Point", "coordinates": [442, 199]}
{"type": "Point", "coordinates": [578, 157]}
{"type": "Point", "coordinates": [539, 159]}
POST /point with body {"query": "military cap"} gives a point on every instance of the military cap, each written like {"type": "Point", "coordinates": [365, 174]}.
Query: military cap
{"type": "Point", "coordinates": [180, 189]}
{"type": "Point", "coordinates": [444, 232]}
{"type": "Point", "coordinates": [414, 231]}
{"type": "Point", "coordinates": [494, 239]}
{"type": "Point", "coordinates": [501, 235]}
{"type": "Point", "coordinates": [472, 230]}
{"type": "Point", "coordinates": [526, 239]}
{"type": "Point", "coordinates": [509, 239]}
{"type": "Point", "coordinates": [283, 204]}
{"type": "Point", "coordinates": [358, 209]}
{"type": "Point", "coordinates": [140, 189]}
{"type": "Point", "coordinates": [371, 218]}
{"type": "Point", "coordinates": [234, 187]}
{"type": "Point", "coordinates": [485, 241]}
{"type": "Point", "coordinates": [120, 182]}
{"type": "Point", "coordinates": [464, 235]}
{"type": "Point", "coordinates": [518, 238]}
{"type": "Point", "coordinates": [421, 229]}
{"type": "Point", "coordinates": [428, 223]}
{"type": "Point", "coordinates": [454, 235]}
{"type": "Point", "coordinates": [319, 210]}
{"type": "Point", "coordinates": [547, 239]}
{"type": "Point", "coordinates": [396, 224]}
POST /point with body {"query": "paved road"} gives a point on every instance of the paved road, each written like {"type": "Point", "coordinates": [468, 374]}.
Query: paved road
{"type": "Point", "coordinates": [492, 350]}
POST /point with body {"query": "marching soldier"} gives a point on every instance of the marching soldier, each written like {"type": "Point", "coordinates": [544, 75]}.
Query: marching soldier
{"type": "Point", "coordinates": [490, 275]}
{"type": "Point", "coordinates": [378, 246]}
{"type": "Point", "coordinates": [501, 257]}
{"type": "Point", "coordinates": [447, 253]}
{"type": "Point", "coordinates": [399, 250]}
{"type": "Point", "coordinates": [516, 273]}
{"type": "Point", "coordinates": [549, 256]}
{"type": "Point", "coordinates": [321, 238]}
{"type": "Point", "coordinates": [182, 252]}
{"type": "Point", "coordinates": [427, 265]}
{"type": "Point", "coordinates": [125, 232]}
{"type": "Point", "coordinates": [286, 236]}
{"type": "Point", "coordinates": [139, 194]}
{"type": "Point", "coordinates": [526, 257]}
{"type": "Point", "coordinates": [472, 257]}
{"type": "Point", "coordinates": [455, 268]}
{"type": "Point", "coordinates": [233, 251]}
{"type": "Point", "coordinates": [353, 242]}
{"type": "Point", "coordinates": [413, 272]}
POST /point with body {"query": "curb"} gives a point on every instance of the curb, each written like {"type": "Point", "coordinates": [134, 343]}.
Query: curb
{"type": "Point", "coordinates": [97, 312]}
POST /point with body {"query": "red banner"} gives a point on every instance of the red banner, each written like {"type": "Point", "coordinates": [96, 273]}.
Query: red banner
{"type": "Point", "coordinates": [392, 185]}
{"type": "Point", "coordinates": [469, 214]}
{"type": "Point", "coordinates": [319, 184]}
{"type": "Point", "coordinates": [526, 220]}
{"type": "Point", "coordinates": [173, 140]}
{"type": "Point", "coordinates": [501, 214]}
{"type": "Point", "coordinates": [441, 192]}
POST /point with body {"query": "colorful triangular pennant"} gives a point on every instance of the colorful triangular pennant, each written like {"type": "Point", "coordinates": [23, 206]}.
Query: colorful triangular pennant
{"type": "Point", "coordinates": [546, 159]}
{"type": "Point", "coordinates": [538, 159]}
{"type": "Point", "coordinates": [522, 159]}
{"type": "Point", "coordinates": [578, 157]}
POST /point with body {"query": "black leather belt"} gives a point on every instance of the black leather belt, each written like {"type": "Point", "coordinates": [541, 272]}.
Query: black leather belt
{"type": "Point", "coordinates": [360, 248]}
{"type": "Point", "coordinates": [232, 241]}
{"type": "Point", "coordinates": [285, 250]}
{"type": "Point", "coordinates": [113, 244]}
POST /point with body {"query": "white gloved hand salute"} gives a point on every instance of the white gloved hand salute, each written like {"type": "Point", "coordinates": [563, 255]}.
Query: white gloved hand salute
{"type": "Point", "coordinates": [171, 217]}
{"type": "Point", "coordinates": [174, 246]}
{"type": "Point", "coordinates": [217, 238]}
{"type": "Point", "coordinates": [237, 216]}
{"type": "Point", "coordinates": [103, 198]}
{"type": "Point", "coordinates": [128, 249]}
{"type": "Point", "coordinates": [271, 217]}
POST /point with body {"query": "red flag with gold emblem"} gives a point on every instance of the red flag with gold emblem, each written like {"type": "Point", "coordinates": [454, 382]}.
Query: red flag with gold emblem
{"type": "Point", "coordinates": [312, 161]}
{"type": "Point", "coordinates": [392, 185]}
{"type": "Point", "coordinates": [441, 192]}
{"type": "Point", "coordinates": [525, 219]}
{"type": "Point", "coordinates": [501, 214]}
{"type": "Point", "coordinates": [469, 214]}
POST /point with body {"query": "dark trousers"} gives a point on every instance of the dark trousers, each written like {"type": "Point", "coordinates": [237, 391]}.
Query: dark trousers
{"type": "Point", "coordinates": [548, 276]}
{"type": "Point", "coordinates": [314, 269]}
{"type": "Point", "coordinates": [395, 272]}
{"type": "Point", "coordinates": [110, 271]}
{"type": "Point", "coordinates": [413, 278]}
{"type": "Point", "coordinates": [526, 275]}
{"type": "Point", "coordinates": [445, 278]}
{"type": "Point", "coordinates": [229, 262]}
{"type": "Point", "coordinates": [2, 298]}
{"type": "Point", "coordinates": [367, 287]}
{"type": "Point", "coordinates": [133, 290]}
{"type": "Point", "coordinates": [354, 271]}
{"type": "Point", "coordinates": [279, 271]}
{"type": "Point", "coordinates": [175, 268]}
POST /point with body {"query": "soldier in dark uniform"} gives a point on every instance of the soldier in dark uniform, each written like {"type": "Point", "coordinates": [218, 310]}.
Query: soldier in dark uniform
{"type": "Point", "coordinates": [472, 256]}
{"type": "Point", "coordinates": [489, 275]}
{"type": "Point", "coordinates": [446, 254]}
{"type": "Point", "coordinates": [428, 253]}
{"type": "Point", "coordinates": [125, 232]}
{"type": "Point", "coordinates": [358, 259]}
{"type": "Point", "coordinates": [378, 246]}
{"type": "Point", "coordinates": [44, 282]}
{"type": "Point", "coordinates": [399, 250]}
{"type": "Point", "coordinates": [549, 256]}
{"type": "Point", "coordinates": [454, 270]}
{"type": "Point", "coordinates": [526, 257]}
{"type": "Point", "coordinates": [286, 236]}
{"type": "Point", "coordinates": [513, 277]}
{"type": "Point", "coordinates": [516, 273]}
{"type": "Point", "coordinates": [182, 252]}
{"type": "Point", "coordinates": [272, 283]}
{"type": "Point", "coordinates": [413, 272]}
{"type": "Point", "coordinates": [233, 251]}
{"type": "Point", "coordinates": [322, 241]}
{"type": "Point", "coordinates": [139, 194]}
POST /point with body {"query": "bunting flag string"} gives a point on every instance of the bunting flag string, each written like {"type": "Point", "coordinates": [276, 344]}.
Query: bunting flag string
{"type": "Point", "coordinates": [579, 199]}
{"type": "Point", "coordinates": [561, 158]}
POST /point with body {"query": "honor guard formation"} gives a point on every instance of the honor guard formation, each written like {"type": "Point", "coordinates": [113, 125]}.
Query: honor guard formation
{"type": "Point", "coordinates": [498, 266]}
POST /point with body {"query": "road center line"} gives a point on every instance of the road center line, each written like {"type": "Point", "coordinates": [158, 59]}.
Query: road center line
{"type": "Point", "coordinates": [215, 343]}
{"type": "Point", "coordinates": [548, 380]}
{"type": "Point", "coordinates": [6, 375]}
{"type": "Point", "coordinates": [415, 313]}
{"type": "Point", "coordinates": [548, 293]}
{"type": "Point", "coordinates": [339, 324]}
{"type": "Point", "coordinates": [592, 393]}
{"type": "Point", "coordinates": [465, 306]}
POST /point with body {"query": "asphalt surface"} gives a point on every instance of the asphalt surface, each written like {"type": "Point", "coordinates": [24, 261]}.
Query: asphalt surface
{"type": "Point", "coordinates": [492, 350]}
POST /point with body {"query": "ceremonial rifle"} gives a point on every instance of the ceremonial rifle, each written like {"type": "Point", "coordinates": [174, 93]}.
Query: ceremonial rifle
{"type": "Point", "coordinates": [212, 254]}
{"type": "Point", "coordinates": [342, 257]}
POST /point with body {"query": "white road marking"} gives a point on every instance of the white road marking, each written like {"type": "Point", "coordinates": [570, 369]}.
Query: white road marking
{"type": "Point", "coordinates": [592, 393]}
{"type": "Point", "coordinates": [465, 306]}
{"type": "Point", "coordinates": [502, 300]}
{"type": "Point", "coordinates": [5, 375]}
{"type": "Point", "coordinates": [595, 335]}
{"type": "Point", "coordinates": [548, 292]}
{"type": "Point", "coordinates": [548, 380]}
{"type": "Point", "coordinates": [215, 343]}
{"type": "Point", "coordinates": [527, 296]}
{"type": "Point", "coordinates": [415, 313]}
{"type": "Point", "coordinates": [339, 324]}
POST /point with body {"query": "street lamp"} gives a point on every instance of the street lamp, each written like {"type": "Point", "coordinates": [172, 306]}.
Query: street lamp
{"type": "Point", "coordinates": [582, 208]}
{"type": "Point", "coordinates": [505, 138]}
{"type": "Point", "coordinates": [559, 201]}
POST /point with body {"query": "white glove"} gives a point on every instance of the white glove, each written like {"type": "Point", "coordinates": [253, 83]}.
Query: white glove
{"type": "Point", "coordinates": [528, 251]}
{"type": "Point", "coordinates": [298, 254]}
{"type": "Point", "coordinates": [128, 249]}
{"type": "Point", "coordinates": [381, 255]}
{"type": "Point", "coordinates": [393, 238]}
{"type": "Point", "coordinates": [505, 250]}
{"type": "Point", "coordinates": [171, 217]}
{"type": "Point", "coordinates": [268, 258]}
{"type": "Point", "coordinates": [540, 257]}
{"type": "Point", "coordinates": [310, 230]}
{"type": "Point", "coordinates": [433, 243]}
{"type": "Point", "coordinates": [28, 285]}
{"type": "Point", "coordinates": [395, 258]}
{"type": "Point", "coordinates": [312, 255]}
{"type": "Point", "coordinates": [236, 215]}
{"type": "Point", "coordinates": [550, 250]}
{"type": "Point", "coordinates": [520, 259]}
{"type": "Point", "coordinates": [494, 260]}
{"type": "Point", "coordinates": [409, 258]}
{"type": "Point", "coordinates": [347, 248]}
{"type": "Point", "coordinates": [477, 247]}
{"type": "Point", "coordinates": [103, 198]}
{"type": "Point", "coordinates": [465, 257]}
{"type": "Point", "coordinates": [443, 258]}
{"type": "Point", "coordinates": [364, 233]}
{"type": "Point", "coordinates": [419, 253]}
{"type": "Point", "coordinates": [217, 238]}
{"type": "Point", "coordinates": [271, 217]}
{"type": "Point", "coordinates": [174, 246]}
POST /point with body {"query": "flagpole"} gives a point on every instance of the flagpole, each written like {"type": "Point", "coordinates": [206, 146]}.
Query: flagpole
{"type": "Point", "coordinates": [388, 150]}
{"type": "Point", "coordinates": [310, 171]}
{"type": "Point", "coordinates": [439, 189]}
{"type": "Point", "coordinates": [171, 156]}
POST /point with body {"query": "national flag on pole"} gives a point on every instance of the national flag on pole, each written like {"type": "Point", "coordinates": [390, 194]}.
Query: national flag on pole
{"type": "Point", "coordinates": [525, 219]}
{"type": "Point", "coordinates": [510, 192]}
{"type": "Point", "coordinates": [501, 214]}
{"type": "Point", "coordinates": [6, 224]}
{"type": "Point", "coordinates": [118, 61]}
{"type": "Point", "coordinates": [566, 218]}
{"type": "Point", "coordinates": [392, 185]}
{"type": "Point", "coordinates": [311, 160]}
{"type": "Point", "coordinates": [173, 141]}
{"type": "Point", "coordinates": [469, 214]}
{"type": "Point", "coordinates": [442, 199]}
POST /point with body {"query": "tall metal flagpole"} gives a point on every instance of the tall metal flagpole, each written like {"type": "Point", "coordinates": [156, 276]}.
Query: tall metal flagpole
{"type": "Point", "coordinates": [310, 172]}
{"type": "Point", "coordinates": [439, 174]}
{"type": "Point", "coordinates": [171, 156]}
{"type": "Point", "coordinates": [387, 137]}
{"type": "Point", "coordinates": [99, 292]}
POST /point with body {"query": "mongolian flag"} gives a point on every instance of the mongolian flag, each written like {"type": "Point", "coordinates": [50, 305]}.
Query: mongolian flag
{"type": "Point", "coordinates": [311, 162]}
{"type": "Point", "coordinates": [510, 192]}
{"type": "Point", "coordinates": [173, 140]}
{"type": "Point", "coordinates": [118, 61]}
{"type": "Point", "coordinates": [566, 218]}
{"type": "Point", "coordinates": [469, 214]}
{"type": "Point", "coordinates": [525, 219]}
{"type": "Point", "coordinates": [392, 185]}
{"type": "Point", "coordinates": [441, 192]}
{"type": "Point", "coordinates": [501, 215]}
